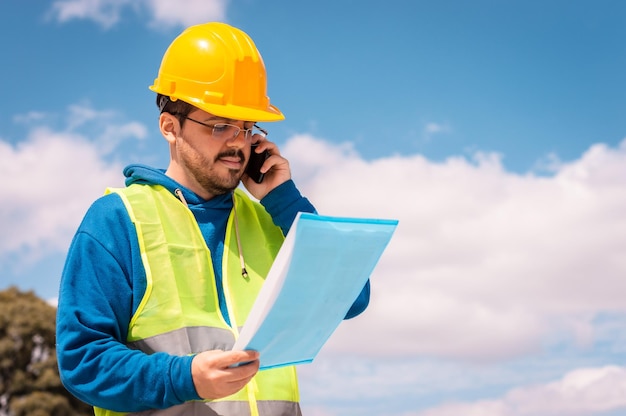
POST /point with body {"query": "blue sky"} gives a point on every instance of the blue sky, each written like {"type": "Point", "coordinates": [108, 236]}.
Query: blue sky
{"type": "Point", "coordinates": [493, 130]}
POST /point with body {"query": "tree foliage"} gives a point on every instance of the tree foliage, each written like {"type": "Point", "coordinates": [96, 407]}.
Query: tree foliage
{"type": "Point", "coordinates": [29, 376]}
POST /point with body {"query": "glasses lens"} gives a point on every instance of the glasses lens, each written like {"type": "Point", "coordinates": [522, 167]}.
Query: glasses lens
{"type": "Point", "coordinates": [225, 131]}
{"type": "Point", "coordinates": [257, 130]}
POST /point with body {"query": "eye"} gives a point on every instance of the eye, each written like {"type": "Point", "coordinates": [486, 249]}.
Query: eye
{"type": "Point", "coordinates": [220, 128]}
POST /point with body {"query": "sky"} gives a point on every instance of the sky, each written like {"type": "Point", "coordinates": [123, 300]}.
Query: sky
{"type": "Point", "coordinates": [493, 131]}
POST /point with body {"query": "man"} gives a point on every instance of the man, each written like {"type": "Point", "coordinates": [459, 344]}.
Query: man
{"type": "Point", "coordinates": [161, 274]}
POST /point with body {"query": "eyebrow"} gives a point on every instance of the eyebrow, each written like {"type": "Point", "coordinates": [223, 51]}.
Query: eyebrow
{"type": "Point", "coordinates": [226, 120]}
{"type": "Point", "coordinates": [218, 118]}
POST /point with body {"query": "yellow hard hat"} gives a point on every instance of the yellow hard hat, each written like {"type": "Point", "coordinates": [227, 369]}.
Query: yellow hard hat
{"type": "Point", "coordinates": [217, 68]}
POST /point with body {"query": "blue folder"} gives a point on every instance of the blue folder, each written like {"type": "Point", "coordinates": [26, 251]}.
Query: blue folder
{"type": "Point", "coordinates": [316, 277]}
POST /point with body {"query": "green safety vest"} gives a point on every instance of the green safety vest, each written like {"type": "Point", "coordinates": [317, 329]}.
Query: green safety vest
{"type": "Point", "coordinates": [180, 313]}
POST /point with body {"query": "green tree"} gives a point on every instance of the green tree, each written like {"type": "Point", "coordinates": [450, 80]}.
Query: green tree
{"type": "Point", "coordinates": [29, 376]}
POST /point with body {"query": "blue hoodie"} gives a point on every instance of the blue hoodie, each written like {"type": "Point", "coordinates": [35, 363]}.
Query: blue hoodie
{"type": "Point", "coordinates": [103, 282]}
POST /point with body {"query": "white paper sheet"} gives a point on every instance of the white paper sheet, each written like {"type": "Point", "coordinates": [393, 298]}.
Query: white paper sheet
{"type": "Point", "coordinates": [317, 275]}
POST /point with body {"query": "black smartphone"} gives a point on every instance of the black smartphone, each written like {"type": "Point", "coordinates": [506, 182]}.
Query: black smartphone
{"type": "Point", "coordinates": [255, 162]}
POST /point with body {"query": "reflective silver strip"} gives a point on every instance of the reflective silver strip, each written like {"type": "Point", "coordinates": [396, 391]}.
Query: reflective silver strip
{"type": "Point", "coordinates": [187, 341]}
{"type": "Point", "coordinates": [195, 339]}
{"type": "Point", "coordinates": [278, 408]}
{"type": "Point", "coordinates": [266, 408]}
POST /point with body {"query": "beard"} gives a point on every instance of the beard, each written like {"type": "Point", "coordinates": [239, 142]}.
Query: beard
{"type": "Point", "coordinates": [204, 171]}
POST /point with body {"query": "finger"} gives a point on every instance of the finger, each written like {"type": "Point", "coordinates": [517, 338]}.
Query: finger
{"type": "Point", "coordinates": [265, 144]}
{"type": "Point", "coordinates": [258, 138]}
{"type": "Point", "coordinates": [218, 359]}
{"type": "Point", "coordinates": [230, 358]}
{"type": "Point", "coordinates": [244, 372]}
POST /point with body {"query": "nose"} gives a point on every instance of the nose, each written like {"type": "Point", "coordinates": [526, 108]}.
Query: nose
{"type": "Point", "coordinates": [239, 140]}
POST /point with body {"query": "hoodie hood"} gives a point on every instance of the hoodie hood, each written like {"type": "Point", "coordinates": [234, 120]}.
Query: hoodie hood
{"type": "Point", "coordinates": [146, 175]}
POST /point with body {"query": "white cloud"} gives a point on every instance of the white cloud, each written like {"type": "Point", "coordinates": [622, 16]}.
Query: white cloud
{"type": "Point", "coordinates": [51, 177]}
{"type": "Point", "coordinates": [171, 13]}
{"type": "Point", "coordinates": [79, 115]}
{"type": "Point", "coordinates": [431, 129]}
{"type": "Point", "coordinates": [30, 117]}
{"type": "Point", "coordinates": [103, 126]}
{"type": "Point", "coordinates": [107, 13]}
{"type": "Point", "coordinates": [485, 263]}
{"type": "Point", "coordinates": [585, 391]}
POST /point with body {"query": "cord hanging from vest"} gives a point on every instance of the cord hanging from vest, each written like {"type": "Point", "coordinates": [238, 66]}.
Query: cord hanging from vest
{"type": "Point", "coordinates": [180, 196]}
{"type": "Point", "coordinates": [244, 272]}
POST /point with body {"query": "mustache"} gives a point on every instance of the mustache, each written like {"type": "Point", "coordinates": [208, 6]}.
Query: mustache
{"type": "Point", "coordinates": [231, 153]}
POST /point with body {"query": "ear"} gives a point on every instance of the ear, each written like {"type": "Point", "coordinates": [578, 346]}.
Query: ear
{"type": "Point", "coordinates": [169, 126]}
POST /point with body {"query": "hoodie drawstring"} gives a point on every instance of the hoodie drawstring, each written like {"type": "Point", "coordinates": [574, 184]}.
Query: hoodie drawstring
{"type": "Point", "coordinates": [244, 272]}
{"type": "Point", "coordinates": [180, 196]}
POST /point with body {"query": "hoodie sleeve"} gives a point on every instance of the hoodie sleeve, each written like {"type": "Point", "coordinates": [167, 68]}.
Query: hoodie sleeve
{"type": "Point", "coordinates": [102, 283]}
{"type": "Point", "coordinates": [283, 204]}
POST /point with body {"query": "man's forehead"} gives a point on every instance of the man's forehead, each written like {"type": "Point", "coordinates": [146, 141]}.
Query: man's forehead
{"type": "Point", "coordinates": [212, 117]}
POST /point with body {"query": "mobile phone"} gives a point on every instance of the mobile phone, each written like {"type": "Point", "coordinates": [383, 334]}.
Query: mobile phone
{"type": "Point", "coordinates": [255, 162]}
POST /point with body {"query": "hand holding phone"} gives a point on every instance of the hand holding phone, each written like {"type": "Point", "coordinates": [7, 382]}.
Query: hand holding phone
{"type": "Point", "coordinates": [253, 169]}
